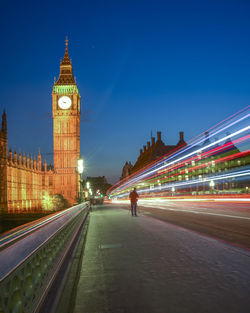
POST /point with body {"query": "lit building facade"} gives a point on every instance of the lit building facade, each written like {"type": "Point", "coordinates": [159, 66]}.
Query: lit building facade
{"type": "Point", "coordinates": [26, 182]}
{"type": "Point", "coordinates": [150, 153]}
{"type": "Point", "coordinates": [66, 108]}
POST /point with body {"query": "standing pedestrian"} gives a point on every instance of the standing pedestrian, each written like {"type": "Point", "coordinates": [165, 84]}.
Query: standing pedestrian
{"type": "Point", "coordinates": [133, 196]}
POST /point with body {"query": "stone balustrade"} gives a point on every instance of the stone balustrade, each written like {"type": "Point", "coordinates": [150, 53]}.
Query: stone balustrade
{"type": "Point", "coordinates": [31, 257]}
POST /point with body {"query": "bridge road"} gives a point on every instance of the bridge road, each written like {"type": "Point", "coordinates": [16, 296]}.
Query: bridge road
{"type": "Point", "coordinates": [140, 264]}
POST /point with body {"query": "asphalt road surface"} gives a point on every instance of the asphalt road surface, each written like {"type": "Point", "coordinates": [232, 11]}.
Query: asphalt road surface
{"type": "Point", "coordinates": [226, 221]}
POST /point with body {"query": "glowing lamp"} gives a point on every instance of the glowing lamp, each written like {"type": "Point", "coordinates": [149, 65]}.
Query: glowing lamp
{"type": "Point", "coordinates": [211, 184]}
{"type": "Point", "coordinates": [80, 166]}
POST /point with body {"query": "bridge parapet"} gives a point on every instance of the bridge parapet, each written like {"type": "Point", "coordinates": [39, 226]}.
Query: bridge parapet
{"type": "Point", "coordinates": [31, 257]}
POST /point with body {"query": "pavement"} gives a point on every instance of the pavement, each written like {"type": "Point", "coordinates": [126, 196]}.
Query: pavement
{"type": "Point", "coordinates": [140, 264]}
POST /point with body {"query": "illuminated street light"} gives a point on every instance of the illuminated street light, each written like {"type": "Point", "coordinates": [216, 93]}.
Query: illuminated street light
{"type": "Point", "coordinates": [80, 166]}
{"type": "Point", "coordinates": [80, 171]}
{"type": "Point", "coordinates": [88, 185]}
{"type": "Point", "coordinates": [173, 190]}
{"type": "Point", "coordinates": [212, 184]}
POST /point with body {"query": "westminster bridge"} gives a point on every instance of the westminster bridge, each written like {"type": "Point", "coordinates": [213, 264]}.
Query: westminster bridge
{"type": "Point", "coordinates": [173, 257]}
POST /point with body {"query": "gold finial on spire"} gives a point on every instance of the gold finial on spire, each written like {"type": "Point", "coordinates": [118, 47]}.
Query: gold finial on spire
{"type": "Point", "coordinates": [66, 41]}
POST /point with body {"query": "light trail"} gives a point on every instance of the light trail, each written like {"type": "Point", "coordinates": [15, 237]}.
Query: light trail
{"type": "Point", "coordinates": [210, 145]}
{"type": "Point", "coordinates": [192, 153]}
{"type": "Point", "coordinates": [199, 168]}
{"type": "Point", "coordinates": [230, 121]}
{"type": "Point", "coordinates": [157, 202]}
{"type": "Point", "coordinates": [198, 181]}
{"type": "Point", "coordinates": [216, 162]}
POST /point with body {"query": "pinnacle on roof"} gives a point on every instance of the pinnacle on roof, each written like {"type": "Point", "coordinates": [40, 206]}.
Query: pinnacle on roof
{"type": "Point", "coordinates": [4, 122]}
{"type": "Point", "coordinates": [66, 59]}
{"type": "Point", "coordinates": [66, 70]}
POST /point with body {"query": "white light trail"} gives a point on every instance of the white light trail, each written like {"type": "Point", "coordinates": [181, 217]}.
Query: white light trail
{"type": "Point", "coordinates": [193, 182]}
{"type": "Point", "coordinates": [142, 176]}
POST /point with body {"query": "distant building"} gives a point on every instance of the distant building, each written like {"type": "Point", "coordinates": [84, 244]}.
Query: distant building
{"type": "Point", "coordinates": [127, 168]}
{"type": "Point", "coordinates": [98, 184]}
{"type": "Point", "coordinates": [150, 153]}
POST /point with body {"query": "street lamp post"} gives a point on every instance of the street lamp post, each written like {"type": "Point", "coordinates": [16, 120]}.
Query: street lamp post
{"type": "Point", "coordinates": [80, 171]}
{"type": "Point", "coordinates": [89, 190]}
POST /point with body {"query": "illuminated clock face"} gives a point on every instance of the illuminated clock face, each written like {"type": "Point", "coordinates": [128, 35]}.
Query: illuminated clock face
{"type": "Point", "coordinates": [64, 102]}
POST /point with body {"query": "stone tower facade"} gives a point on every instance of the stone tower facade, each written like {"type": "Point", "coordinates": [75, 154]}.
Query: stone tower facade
{"type": "Point", "coordinates": [26, 183]}
{"type": "Point", "coordinates": [66, 108]}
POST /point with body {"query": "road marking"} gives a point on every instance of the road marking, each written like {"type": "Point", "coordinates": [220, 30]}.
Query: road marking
{"type": "Point", "coordinates": [206, 213]}
{"type": "Point", "coordinates": [110, 246]}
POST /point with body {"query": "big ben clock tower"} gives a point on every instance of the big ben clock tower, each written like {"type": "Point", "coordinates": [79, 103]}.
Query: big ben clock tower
{"type": "Point", "coordinates": [66, 103]}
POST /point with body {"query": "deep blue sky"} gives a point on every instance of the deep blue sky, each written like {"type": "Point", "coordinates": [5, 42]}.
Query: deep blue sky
{"type": "Point", "coordinates": [140, 66]}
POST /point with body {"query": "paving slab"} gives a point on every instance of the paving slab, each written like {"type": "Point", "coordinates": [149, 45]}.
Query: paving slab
{"type": "Point", "coordinates": [140, 264]}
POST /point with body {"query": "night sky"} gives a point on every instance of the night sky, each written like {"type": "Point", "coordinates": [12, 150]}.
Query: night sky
{"type": "Point", "coordinates": [140, 66]}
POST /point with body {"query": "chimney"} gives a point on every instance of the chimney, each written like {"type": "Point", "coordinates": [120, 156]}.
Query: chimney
{"type": "Point", "coordinates": [144, 148]}
{"type": "Point", "coordinates": [148, 145]}
{"type": "Point", "coordinates": [181, 136]}
{"type": "Point", "coordinates": [153, 140]}
{"type": "Point", "coordinates": [141, 152]}
{"type": "Point", "coordinates": [158, 136]}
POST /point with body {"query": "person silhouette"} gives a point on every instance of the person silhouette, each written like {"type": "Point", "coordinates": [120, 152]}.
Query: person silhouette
{"type": "Point", "coordinates": [133, 196]}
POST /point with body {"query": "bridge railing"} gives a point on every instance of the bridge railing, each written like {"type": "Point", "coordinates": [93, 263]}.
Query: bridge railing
{"type": "Point", "coordinates": [31, 257]}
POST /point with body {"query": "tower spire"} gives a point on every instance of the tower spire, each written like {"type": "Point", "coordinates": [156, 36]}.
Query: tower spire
{"type": "Point", "coordinates": [4, 122]}
{"type": "Point", "coordinates": [66, 70]}
{"type": "Point", "coordinates": [66, 59]}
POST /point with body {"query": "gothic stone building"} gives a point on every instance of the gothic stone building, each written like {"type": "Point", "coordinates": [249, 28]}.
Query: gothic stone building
{"type": "Point", "coordinates": [150, 153]}
{"type": "Point", "coordinates": [26, 182]}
